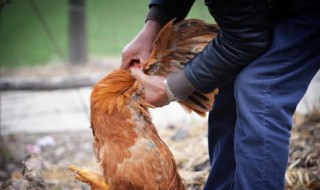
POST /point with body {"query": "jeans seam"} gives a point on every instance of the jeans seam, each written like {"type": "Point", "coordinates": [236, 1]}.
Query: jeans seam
{"type": "Point", "coordinates": [266, 146]}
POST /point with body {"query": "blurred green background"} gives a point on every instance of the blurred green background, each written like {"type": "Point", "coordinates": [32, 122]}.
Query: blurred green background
{"type": "Point", "coordinates": [111, 24]}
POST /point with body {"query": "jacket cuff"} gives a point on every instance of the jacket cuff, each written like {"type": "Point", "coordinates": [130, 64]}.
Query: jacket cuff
{"type": "Point", "coordinates": [180, 85]}
{"type": "Point", "coordinates": [159, 14]}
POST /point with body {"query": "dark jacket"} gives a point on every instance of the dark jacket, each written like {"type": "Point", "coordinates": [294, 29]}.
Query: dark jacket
{"type": "Point", "coordinates": [246, 33]}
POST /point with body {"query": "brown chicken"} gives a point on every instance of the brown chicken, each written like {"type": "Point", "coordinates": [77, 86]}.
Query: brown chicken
{"type": "Point", "coordinates": [130, 152]}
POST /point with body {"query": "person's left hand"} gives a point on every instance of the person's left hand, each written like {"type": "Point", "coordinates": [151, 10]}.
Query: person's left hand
{"type": "Point", "coordinates": [155, 93]}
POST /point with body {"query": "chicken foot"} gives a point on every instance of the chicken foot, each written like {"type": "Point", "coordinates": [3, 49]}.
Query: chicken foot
{"type": "Point", "coordinates": [94, 179]}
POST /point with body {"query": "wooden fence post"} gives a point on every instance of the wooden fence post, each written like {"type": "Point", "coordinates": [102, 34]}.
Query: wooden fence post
{"type": "Point", "coordinates": [77, 32]}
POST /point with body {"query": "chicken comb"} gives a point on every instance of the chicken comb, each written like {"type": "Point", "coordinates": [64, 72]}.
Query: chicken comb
{"type": "Point", "coordinates": [176, 44]}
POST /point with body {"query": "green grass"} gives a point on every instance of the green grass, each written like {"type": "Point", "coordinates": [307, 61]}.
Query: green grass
{"type": "Point", "coordinates": [111, 24]}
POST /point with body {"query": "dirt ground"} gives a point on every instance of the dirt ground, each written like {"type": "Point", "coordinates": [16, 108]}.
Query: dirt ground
{"type": "Point", "coordinates": [74, 147]}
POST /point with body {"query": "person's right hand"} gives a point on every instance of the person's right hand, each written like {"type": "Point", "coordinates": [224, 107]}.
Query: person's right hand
{"type": "Point", "coordinates": [139, 49]}
{"type": "Point", "coordinates": [154, 92]}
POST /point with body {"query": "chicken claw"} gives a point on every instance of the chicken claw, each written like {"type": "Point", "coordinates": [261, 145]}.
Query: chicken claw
{"type": "Point", "coordinates": [94, 179]}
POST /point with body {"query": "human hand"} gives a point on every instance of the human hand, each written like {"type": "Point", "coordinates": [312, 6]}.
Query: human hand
{"type": "Point", "coordinates": [154, 91]}
{"type": "Point", "coordinates": [139, 49]}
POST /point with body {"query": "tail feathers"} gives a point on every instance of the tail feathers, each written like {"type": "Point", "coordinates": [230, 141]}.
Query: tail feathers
{"type": "Point", "coordinates": [199, 103]}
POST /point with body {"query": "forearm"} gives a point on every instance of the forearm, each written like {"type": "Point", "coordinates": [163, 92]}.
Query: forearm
{"type": "Point", "coordinates": [245, 35]}
{"type": "Point", "coordinates": [218, 65]}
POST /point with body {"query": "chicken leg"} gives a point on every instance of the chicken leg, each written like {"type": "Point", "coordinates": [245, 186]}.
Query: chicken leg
{"type": "Point", "coordinates": [94, 179]}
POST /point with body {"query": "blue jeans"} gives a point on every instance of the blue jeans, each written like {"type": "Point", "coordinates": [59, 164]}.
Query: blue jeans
{"type": "Point", "coordinates": [249, 126]}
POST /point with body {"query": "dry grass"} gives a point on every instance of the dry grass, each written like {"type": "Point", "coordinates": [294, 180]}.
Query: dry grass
{"type": "Point", "coordinates": [303, 170]}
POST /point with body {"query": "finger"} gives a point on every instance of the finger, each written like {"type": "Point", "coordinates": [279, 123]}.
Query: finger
{"type": "Point", "coordinates": [124, 66]}
{"type": "Point", "coordinates": [139, 75]}
{"type": "Point", "coordinates": [143, 59]}
{"type": "Point", "coordinates": [135, 65]}
{"type": "Point", "coordinates": [126, 58]}
{"type": "Point", "coordinates": [131, 63]}
{"type": "Point", "coordinates": [125, 63]}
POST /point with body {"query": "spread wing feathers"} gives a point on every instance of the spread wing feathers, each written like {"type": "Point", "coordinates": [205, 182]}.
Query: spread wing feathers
{"type": "Point", "coordinates": [175, 45]}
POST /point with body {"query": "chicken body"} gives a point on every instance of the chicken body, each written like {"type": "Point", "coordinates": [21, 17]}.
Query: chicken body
{"type": "Point", "coordinates": [126, 143]}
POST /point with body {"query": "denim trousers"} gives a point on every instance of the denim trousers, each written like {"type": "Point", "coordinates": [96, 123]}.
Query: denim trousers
{"type": "Point", "coordinates": [249, 126]}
